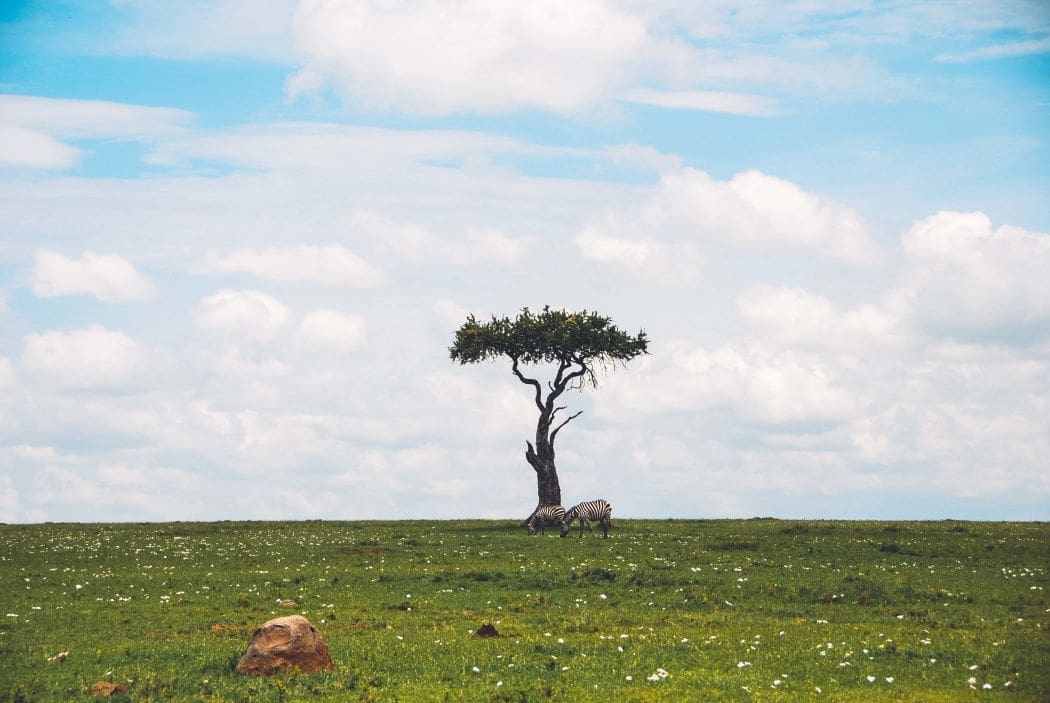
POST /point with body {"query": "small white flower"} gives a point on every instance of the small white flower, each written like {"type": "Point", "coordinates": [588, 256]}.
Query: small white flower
{"type": "Point", "coordinates": [602, 596]}
{"type": "Point", "coordinates": [475, 669]}
{"type": "Point", "coordinates": [987, 687]}
{"type": "Point", "coordinates": [498, 684]}
{"type": "Point", "coordinates": [561, 641]}
{"type": "Point", "coordinates": [628, 678]}
{"type": "Point", "coordinates": [889, 679]}
{"type": "Point", "coordinates": [871, 679]}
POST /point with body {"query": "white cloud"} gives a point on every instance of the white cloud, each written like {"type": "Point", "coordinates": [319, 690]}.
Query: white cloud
{"type": "Point", "coordinates": [1027, 47]}
{"type": "Point", "coordinates": [706, 100]}
{"type": "Point", "coordinates": [332, 330]}
{"type": "Point", "coordinates": [89, 119]}
{"type": "Point", "coordinates": [93, 357]}
{"type": "Point", "coordinates": [244, 314]}
{"type": "Point", "coordinates": [796, 317]}
{"type": "Point", "coordinates": [333, 265]}
{"type": "Point", "coordinates": [754, 382]}
{"type": "Point", "coordinates": [7, 372]}
{"type": "Point", "coordinates": [106, 276]}
{"type": "Point", "coordinates": [26, 148]}
{"type": "Point", "coordinates": [757, 210]}
{"type": "Point", "coordinates": [972, 280]}
{"type": "Point", "coordinates": [468, 55]}
{"type": "Point", "coordinates": [490, 246]}
{"type": "Point", "coordinates": [645, 259]}
{"type": "Point", "coordinates": [31, 127]}
{"type": "Point", "coordinates": [461, 246]}
{"type": "Point", "coordinates": [450, 313]}
{"type": "Point", "coordinates": [752, 211]}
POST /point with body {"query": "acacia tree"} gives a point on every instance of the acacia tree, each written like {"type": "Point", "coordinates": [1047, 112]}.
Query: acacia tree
{"type": "Point", "coordinates": [575, 344]}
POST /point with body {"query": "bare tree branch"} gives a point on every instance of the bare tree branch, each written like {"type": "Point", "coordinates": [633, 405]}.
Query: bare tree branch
{"type": "Point", "coordinates": [531, 382]}
{"type": "Point", "coordinates": [565, 422]}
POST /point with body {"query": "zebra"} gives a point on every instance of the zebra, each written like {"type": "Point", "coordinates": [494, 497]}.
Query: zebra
{"type": "Point", "coordinates": [547, 515]}
{"type": "Point", "coordinates": [588, 510]}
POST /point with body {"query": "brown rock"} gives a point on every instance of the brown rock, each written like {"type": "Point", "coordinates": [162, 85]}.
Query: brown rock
{"type": "Point", "coordinates": [105, 688]}
{"type": "Point", "coordinates": [283, 643]}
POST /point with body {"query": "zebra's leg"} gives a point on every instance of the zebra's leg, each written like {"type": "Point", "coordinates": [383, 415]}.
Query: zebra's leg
{"type": "Point", "coordinates": [605, 527]}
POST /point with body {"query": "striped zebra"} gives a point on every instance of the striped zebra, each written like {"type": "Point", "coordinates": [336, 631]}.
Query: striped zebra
{"type": "Point", "coordinates": [589, 510]}
{"type": "Point", "coordinates": [547, 515]}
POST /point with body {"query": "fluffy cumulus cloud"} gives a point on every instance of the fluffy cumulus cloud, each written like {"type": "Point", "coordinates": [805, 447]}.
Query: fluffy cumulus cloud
{"type": "Point", "coordinates": [753, 382]}
{"type": "Point", "coordinates": [975, 281]}
{"type": "Point", "coordinates": [752, 211]}
{"type": "Point", "coordinates": [646, 259]}
{"type": "Point", "coordinates": [468, 55]}
{"type": "Point", "coordinates": [795, 317]}
{"type": "Point", "coordinates": [242, 314]}
{"type": "Point", "coordinates": [755, 209]}
{"type": "Point", "coordinates": [89, 358]}
{"type": "Point", "coordinates": [108, 277]}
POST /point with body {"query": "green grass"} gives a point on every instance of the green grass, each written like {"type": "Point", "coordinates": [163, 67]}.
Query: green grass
{"type": "Point", "coordinates": [761, 610]}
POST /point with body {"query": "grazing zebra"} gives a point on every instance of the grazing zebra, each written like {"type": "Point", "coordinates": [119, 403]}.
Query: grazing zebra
{"type": "Point", "coordinates": [588, 510]}
{"type": "Point", "coordinates": [547, 515]}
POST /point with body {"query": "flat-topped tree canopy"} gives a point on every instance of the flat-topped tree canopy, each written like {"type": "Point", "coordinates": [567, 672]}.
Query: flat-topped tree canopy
{"type": "Point", "coordinates": [553, 336]}
{"type": "Point", "coordinates": [577, 342]}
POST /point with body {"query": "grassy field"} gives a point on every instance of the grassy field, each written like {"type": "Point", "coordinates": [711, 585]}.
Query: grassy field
{"type": "Point", "coordinates": [761, 610]}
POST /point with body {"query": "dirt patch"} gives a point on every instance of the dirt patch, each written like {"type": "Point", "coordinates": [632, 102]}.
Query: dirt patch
{"type": "Point", "coordinates": [487, 630]}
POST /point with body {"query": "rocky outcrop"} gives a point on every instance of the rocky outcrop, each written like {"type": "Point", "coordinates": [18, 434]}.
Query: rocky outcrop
{"type": "Point", "coordinates": [284, 643]}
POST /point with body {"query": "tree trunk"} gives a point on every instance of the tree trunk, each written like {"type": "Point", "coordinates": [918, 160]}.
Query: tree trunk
{"type": "Point", "coordinates": [541, 456]}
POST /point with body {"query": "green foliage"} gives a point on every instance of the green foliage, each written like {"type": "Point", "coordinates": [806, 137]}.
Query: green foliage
{"type": "Point", "coordinates": [553, 336]}
{"type": "Point", "coordinates": [728, 610]}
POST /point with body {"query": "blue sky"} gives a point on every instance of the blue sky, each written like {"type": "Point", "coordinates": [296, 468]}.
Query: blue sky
{"type": "Point", "coordinates": [237, 239]}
